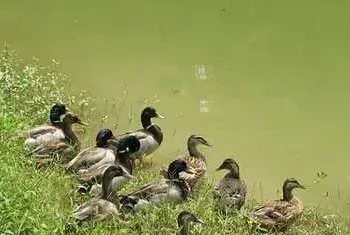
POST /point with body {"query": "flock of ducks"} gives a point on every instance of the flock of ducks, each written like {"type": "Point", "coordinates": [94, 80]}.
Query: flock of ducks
{"type": "Point", "coordinates": [103, 169]}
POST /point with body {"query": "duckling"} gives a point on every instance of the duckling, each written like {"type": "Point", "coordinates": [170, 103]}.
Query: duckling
{"type": "Point", "coordinates": [93, 175]}
{"type": "Point", "coordinates": [173, 189]}
{"type": "Point", "coordinates": [92, 155]}
{"type": "Point", "coordinates": [57, 110]}
{"type": "Point", "coordinates": [231, 191]}
{"type": "Point", "coordinates": [279, 214]}
{"type": "Point", "coordinates": [184, 219]}
{"type": "Point", "coordinates": [105, 206]}
{"type": "Point", "coordinates": [196, 159]}
{"type": "Point", "coordinates": [150, 136]}
{"type": "Point", "coordinates": [62, 147]}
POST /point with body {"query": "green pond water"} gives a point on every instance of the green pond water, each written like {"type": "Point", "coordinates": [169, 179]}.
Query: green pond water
{"type": "Point", "coordinates": [265, 81]}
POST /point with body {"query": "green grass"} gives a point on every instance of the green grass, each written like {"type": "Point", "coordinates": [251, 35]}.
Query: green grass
{"type": "Point", "coordinates": [41, 202]}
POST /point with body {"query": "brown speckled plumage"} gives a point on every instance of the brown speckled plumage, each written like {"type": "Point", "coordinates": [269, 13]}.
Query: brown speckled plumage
{"type": "Point", "coordinates": [279, 214]}
{"type": "Point", "coordinates": [196, 159]}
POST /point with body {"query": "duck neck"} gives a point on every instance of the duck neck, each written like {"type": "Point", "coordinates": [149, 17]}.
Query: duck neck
{"type": "Point", "coordinates": [156, 132]}
{"type": "Point", "coordinates": [233, 174]}
{"type": "Point", "coordinates": [193, 151]}
{"type": "Point", "coordinates": [146, 121]}
{"type": "Point", "coordinates": [106, 187]}
{"type": "Point", "coordinates": [184, 187]}
{"type": "Point", "coordinates": [287, 194]}
{"type": "Point", "coordinates": [70, 135]}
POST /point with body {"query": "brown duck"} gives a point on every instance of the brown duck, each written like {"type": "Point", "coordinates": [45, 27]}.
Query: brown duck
{"type": "Point", "coordinates": [231, 191]}
{"type": "Point", "coordinates": [279, 214]}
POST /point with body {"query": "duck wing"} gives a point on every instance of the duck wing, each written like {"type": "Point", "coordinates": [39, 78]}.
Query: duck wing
{"type": "Point", "coordinates": [51, 149]}
{"type": "Point", "coordinates": [139, 134]}
{"type": "Point", "coordinates": [40, 130]}
{"type": "Point", "coordinates": [90, 156]}
{"type": "Point", "coordinates": [92, 175]}
{"type": "Point", "coordinates": [276, 213]}
{"type": "Point", "coordinates": [230, 192]}
{"type": "Point", "coordinates": [51, 137]}
{"type": "Point", "coordinates": [200, 168]}
{"type": "Point", "coordinates": [107, 157]}
{"type": "Point", "coordinates": [96, 209]}
{"type": "Point", "coordinates": [149, 190]}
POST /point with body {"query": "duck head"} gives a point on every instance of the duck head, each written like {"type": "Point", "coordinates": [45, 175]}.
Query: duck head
{"type": "Point", "coordinates": [103, 136]}
{"type": "Point", "coordinates": [147, 114]}
{"type": "Point", "coordinates": [114, 171]}
{"type": "Point", "coordinates": [230, 165]}
{"type": "Point", "coordinates": [185, 218]}
{"type": "Point", "coordinates": [150, 112]}
{"type": "Point", "coordinates": [109, 173]}
{"type": "Point", "coordinates": [288, 186]}
{"type": "Point", "coordinates": [70, 118]}
{"type": "Point", "coordinates": [56, 111]}
{"type": "Point", "coordinates": [178, 166]}
{"type": "Point", "coordinates": [128, 145]}
{"type": "Point", "coordinates": [192, 143]}
{"type": "Point", "coordinates": [124, 150]}
{"type": "Point", "coordinates": [197, 139]}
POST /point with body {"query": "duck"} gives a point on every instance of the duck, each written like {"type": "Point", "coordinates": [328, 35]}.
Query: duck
{"type": "Point", "coordinates": [91, 177]}
{"type": "Point", "coordinates": [279, 214]}
{"type": "Point", "coordinates": [230, 192]}
{"type": "Point", "coordinates": [56, 111]}
{"type": "Point", "coordinates": [92, 155]}
{"type": "Point", "coordinates": [150, 136]}
{"type": "Point", "coordinates": [194, 159]}
{"type": "Point", "coordinates": [184, 219]}
{"type": "Point", "coordinates": [172, 189]}
{"type": "Point", "coordinates": [105, 206]}
{"type": "Point", "coordinates": [63, 147]}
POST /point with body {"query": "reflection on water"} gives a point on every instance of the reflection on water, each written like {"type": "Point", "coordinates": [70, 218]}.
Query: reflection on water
{"type": "Point", "coordinates": [277, 102]}
{"type": "Point", "coordinates": [203, 106]}
{"type": "Point", "coordinates": [200, 72]}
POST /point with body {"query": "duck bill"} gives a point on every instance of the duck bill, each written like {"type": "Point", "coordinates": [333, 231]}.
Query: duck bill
{"type": "Point", "coordinates": [159, 116]}
{"type": "Point", "coordinates": [82, 123]}
{"type": "Point", "coordinates": [302, 186]}
{"type": "Point", "coordinates": [209, 145]}
{"type": "Point", "coordinates": [221, 167]}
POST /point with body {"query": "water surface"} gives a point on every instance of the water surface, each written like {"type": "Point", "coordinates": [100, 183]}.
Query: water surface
{"type": "Point", "coordinates": [274, 81]}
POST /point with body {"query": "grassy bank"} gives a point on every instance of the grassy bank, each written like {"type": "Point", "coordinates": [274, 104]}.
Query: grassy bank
{"type": "Point", "coordinates": [41, 202]}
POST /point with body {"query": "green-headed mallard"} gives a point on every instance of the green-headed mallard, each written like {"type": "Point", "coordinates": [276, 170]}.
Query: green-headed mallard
{"type": "Point", "coordinates": [231, 191]}
{"type": "Point", "coordinates": [196, 159]}
{"type": "Point", "coordinates": [150, 136]}
{"type": "Point", "coordinates": [184, 219]}
{"type": "Point", "coordinates": [174, 189]}
{"type": "Point", "coordinates": [93, 175]}
{"type": "Point", "coordinates": [106, 205]}
{"type": "Point", "coordinates": [92, 155]}
{"type": "Point", "coordinates": [63, 147]}
{"type": "Point", "coordinates": [57, 110]}
{"type": "Point", "coordinates": [278, 214]}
